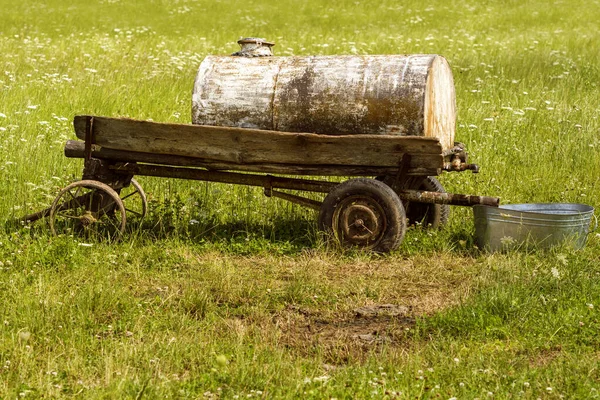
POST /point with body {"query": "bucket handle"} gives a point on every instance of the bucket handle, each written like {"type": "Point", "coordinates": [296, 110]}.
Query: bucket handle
{"type": "Point", "coordinates": [596, 224]}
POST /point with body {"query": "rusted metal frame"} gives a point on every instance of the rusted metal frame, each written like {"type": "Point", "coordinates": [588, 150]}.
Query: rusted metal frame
{"type": "Point", "coordinates": [422, 196]}
{"type": "Point", "coordinates": [64, 206]}
{"type": "Point", "coordinates": [102, 171]}
{"type": "Point", "coordinates": [270, 182]}
{"type": "Point", "coordinates": [265, 181]}
{"type": "Point", "coordinates": [303, 201]}
{"type": "Point", "coordinates": [89, 137]}
{"type": "Point", "coordinates": [35, 216]}
{"type": "Point", "coordinates": [402, 180]}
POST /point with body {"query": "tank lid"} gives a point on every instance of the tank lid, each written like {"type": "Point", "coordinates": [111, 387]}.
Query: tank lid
{"type": "Point", "coordinates": [254, 47]}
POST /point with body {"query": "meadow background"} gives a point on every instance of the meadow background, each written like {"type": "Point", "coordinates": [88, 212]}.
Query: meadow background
{"type": "Point", "coordinates": [222, 293]}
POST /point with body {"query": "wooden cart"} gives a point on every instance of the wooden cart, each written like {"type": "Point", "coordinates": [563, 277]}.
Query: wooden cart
{"type": "Point", "coordinates": [395, 175]}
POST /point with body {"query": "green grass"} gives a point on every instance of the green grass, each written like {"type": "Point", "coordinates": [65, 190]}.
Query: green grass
{"type": "Point", "coordinates": [223, 292]}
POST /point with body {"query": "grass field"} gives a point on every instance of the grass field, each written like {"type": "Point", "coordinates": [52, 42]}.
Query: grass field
{"type": "Point", "coordinates": [223, 293]}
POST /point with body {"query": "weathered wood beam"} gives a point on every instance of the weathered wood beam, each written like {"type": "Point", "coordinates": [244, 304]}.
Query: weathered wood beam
{"type": "Point", "coordinates": [75, 149]}
{"type": "Point", "coordinates": [251, 146]}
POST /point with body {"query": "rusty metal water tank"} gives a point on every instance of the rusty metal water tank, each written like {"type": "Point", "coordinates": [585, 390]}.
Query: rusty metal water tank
{"type": "Point", "coordinates": [336, 95]}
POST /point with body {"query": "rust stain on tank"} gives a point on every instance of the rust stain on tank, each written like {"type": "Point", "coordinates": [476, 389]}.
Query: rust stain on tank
{"type": "Point", "coordinates": [395, 114]}
{"type": "Point", "coordinates": [298, 91]}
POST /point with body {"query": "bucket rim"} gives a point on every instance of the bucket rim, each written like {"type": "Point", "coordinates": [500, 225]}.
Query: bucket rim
{"type": "Point", "coordinates": [543, 208]}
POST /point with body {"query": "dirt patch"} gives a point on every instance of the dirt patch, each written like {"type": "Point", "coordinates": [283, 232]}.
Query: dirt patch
{"type": "Point", "coordinates": [545, 356]}
{"type": "Point", "coordinates": [348, 336]}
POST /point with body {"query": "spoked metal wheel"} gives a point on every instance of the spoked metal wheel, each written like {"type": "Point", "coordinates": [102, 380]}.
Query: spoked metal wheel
{"type": "Point", "coordinates": [134, 200]}
{"type": "Point", "coordinates": [89, 209]}
{"type": "Point", "coordinates": [364, 213]}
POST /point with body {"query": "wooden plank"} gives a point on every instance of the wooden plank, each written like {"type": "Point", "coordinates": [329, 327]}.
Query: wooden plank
{"type": "Point", "coordinates": [75, 149]}
{"type": "Point", "coordinates": [251, 146]}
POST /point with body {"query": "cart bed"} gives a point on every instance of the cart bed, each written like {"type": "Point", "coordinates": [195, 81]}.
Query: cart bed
{"type": "Point", "coordinates": [225, 148]}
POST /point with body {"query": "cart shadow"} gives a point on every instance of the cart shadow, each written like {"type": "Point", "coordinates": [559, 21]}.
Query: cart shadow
{"type": "Point", "coordinates": [284, 234]}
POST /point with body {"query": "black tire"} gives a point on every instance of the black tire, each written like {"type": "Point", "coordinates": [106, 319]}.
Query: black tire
{"type": "Point", "coordinates": [364, 213]}
{"type": "Point", "coordinates": [427, 215]}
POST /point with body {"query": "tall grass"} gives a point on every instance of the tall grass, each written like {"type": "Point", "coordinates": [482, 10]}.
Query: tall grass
{"type": "Point", "coordinates": [223, 292]}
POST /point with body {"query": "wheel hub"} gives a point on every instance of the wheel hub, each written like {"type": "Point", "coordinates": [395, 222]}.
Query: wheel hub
{"type": "Point", "coordinates": [87, 219]}
{"type": "Point", "coordinates": [361, 223]}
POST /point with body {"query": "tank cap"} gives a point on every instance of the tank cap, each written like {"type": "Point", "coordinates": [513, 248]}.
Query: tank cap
{"type": "Point", "coordinates": [254, 47]}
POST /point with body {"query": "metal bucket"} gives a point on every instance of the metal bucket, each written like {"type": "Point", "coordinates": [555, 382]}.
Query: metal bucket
{"type": "Point", "coordinates": [539, 225]}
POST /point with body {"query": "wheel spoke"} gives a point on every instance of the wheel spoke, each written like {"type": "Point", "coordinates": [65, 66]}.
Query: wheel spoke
{"type": "Point", "coordinates": [108, 223]}
{"type": "Point", "coordinates": [65, 215]}
{"type": "Point", "coordinates": [106, 207]}
{"type": "Point", "coordinates": [129, 195]}
{"type": "Point", "coordinates": [139, 214]}
{"type": "Point", "coordinates": [91, 199]}
{"type": "Point", "coordinates": [74, 198]}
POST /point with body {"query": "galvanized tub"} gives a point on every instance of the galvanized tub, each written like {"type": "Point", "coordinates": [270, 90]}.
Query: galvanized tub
{"type": "Point", "coordinates": [539, 225]}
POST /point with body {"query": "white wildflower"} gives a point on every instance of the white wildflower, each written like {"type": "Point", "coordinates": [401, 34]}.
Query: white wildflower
{"type": "Point", "coordinates": [24, 335]}
{"type": "Point", "coordinates": [562, 259]}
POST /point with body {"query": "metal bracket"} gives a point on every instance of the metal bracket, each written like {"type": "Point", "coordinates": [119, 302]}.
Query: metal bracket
{"type": "Point", "coordinates": [303, 201]}
{"type": "Point", "coordinates": [89, 138]}
{"type": "Point", "coordinates": [399, 182]}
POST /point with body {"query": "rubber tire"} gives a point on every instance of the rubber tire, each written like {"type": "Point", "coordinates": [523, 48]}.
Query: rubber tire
{"type": "Point", "coordinates": [380, 197]}
{"type": "Point", "coordinates": [430, 216]}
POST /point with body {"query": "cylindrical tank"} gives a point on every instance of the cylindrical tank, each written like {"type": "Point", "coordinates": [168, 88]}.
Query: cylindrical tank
{"type": "Point", "coordinates": [387, 94]}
